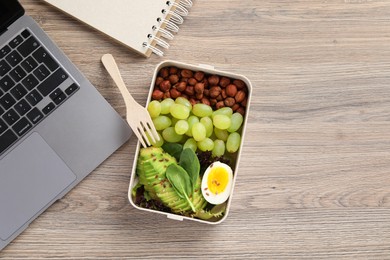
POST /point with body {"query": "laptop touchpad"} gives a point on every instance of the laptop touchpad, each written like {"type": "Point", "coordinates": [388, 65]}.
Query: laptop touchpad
{"type": "Point", "coordinates": [31, 178]}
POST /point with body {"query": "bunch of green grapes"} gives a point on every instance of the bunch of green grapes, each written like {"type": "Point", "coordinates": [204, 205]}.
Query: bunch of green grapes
{"type": "Point", "coordinates": [197, 126]}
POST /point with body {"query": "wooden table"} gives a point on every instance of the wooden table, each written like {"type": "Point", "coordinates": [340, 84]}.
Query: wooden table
{"type": "Point", "coordinates": [314, 178]}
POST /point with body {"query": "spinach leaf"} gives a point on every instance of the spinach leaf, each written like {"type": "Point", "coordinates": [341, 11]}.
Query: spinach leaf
{"type": "Point", "coordinates": [190, 162]}
{"type": "Point", "coordinates": [181, 182]}
{"type": "Point", "coordinates": [173, 149]}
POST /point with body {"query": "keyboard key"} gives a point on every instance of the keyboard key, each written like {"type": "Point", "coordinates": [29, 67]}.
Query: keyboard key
{"type": "Point", "coordinates": [22, 107]}
{"type": "Point", "coordinates": [6, 83]}
{"type": "Point", "coordinates": [28, 46]}
{"type": "Point", "coordinates": [16, 41]}
{"type": "Point", "coordinates": [33, 97]}
{"type": "Point", "coordinates": [14, 58]}
{"type": "Point", "coordinates": [72, 88]}
{"type": "Point", "coordinates": [18, 91]}
{"type": "Point", "coordinates": [47, 109]}
{"type": "Point", "coordinates": [6, 140]}
{"type": "Point", "coordinates": [43, 57]}
{"type": "Point", "coordinates": [52, 82]}
{"type": "Point", "coordinates": [30, 82]}
{"type": "Point", "coordinates": [4, 51]}
{"type": "Point", "coordinates": [17, 74]}
{"type": "Point", "coordinates": [1, 111]}
{"type": "Point", "coordinates": [3, 126]}
{"type": "Point", "coordinates": [7, 101]}
{"type": "Point", "coordinates": [4, 68]}
{"type": "Point", "coordinates": [29, 64]}
{"type": "Point", "coordinates": [35, 115]}
{"type": "Point", "coordinates": [26, 33]}
{"type": "Point", "coordinates": [57, 96]}
{"type": "Point", "coordinates": [41, 72]}
{"type": "Point", "coordinates": [22, 126]}
{"type": "Point", "coordinates": [10, 117]}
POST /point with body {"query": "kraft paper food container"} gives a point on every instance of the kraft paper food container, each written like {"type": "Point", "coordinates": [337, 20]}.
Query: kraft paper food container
{"type": "Point", "coordinates": [207, 69]}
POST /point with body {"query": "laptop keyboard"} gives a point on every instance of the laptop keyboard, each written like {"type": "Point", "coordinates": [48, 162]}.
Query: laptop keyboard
{"type": "Point", "coordinates": [30, 87]}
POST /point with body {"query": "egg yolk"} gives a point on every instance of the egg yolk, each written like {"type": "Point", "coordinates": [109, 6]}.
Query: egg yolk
{"type": "Point", "coordinates": [217, 180]}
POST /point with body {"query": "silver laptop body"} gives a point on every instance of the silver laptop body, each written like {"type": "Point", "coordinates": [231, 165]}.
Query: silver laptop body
{"type": "Point", "coordinates": [57, 135]}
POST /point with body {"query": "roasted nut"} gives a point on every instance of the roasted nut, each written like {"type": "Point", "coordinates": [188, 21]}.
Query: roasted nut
{"type": "Point", "coordinates": [213, 80]}
{"type": "Point", "coordinates": [192, 81]}
{"type": "Point", "coordinates": [186, 73]}
{"type": "Point", "coordinates": [219, 105]}
{"type": "Point", "coordinates": [240, 96]}
{"type": "Point", "coordinates": [219, 97]}
{"type": "Point", "coordinates": [205, 101]}
{"type": "Point", "coordinates": [164, 72]}
{"type": "Point", "coordinates": [165, 85]}
{"type": "Point", "coordinates": [239, 83]}
{"type": "Point", "coordinates": [231, 90]}
{"type": "Point", "coordinates": [189, 91]}
{"type": "Point", "coordinates": [199, 96]}
{"type": "Point", "coordinates": [181, 86]}
{"type": "Point", "coordinates": [215, 91]}
{"type": "Point", "coordinates": [174, 78]}
{"type": "Point", "coordinates": [213, 101]}
{"type": "Point", "coordinates": [224, 81]}
{"type": "Point", "coordinates": [244, 102]}
{"type": "Point", "coordinates": [199, 75]}
{"type": "Point", "coordinates": [173, 70]}
{"type": "Point", "coordinates": [199, 88]}
{"type": "Point", "coordinates": [158, 81]}
{"type": "Point", "coordinates": [193, 101]}
{"type": "Point", "coordinates": [157, 94]}
{"type": "Point", "coordinates": [174, 93]}
{"type": "Point", "coordinates": [229, 102]}
{"type": "Point", "coordinates": [235, 107]}
{"type": "Point", "coordinates": [206, 92]}
{"type": "Point", "coordinates": [241, 110]}
{"type": "Point", "coordinates": [167, 95]}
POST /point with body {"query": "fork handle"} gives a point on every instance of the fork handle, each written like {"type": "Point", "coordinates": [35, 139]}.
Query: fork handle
{"type": "Point", "coordinates": [112, 68]}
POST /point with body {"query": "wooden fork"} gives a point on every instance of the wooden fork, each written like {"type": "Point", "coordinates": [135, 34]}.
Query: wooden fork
{"type": "Point", "coordinates": [136, 115]}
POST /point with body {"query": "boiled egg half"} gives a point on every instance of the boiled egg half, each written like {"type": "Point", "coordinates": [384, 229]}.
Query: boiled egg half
{"type": "Point", "coordinates": [217, 183]}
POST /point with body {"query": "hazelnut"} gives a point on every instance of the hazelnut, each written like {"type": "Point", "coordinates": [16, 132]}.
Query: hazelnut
{"type": "Point", "coordinates": [164, 72]}
{"type": "Point", "coordinates": [173, 70]}
{"type": "Point", "coordinates": [167, 95]}
{"type": "Point", "coordinates": [239, 83]}
{"type": "Point", "coordinates": [205, 101]}
{"type": "Point", "coordinates": [189, 90]}
{"type": "Point", "coordinates": [199, 87]}
{"type": "Point", "coordinates": [174, 93]}
{"type": "Point", "coordinates": [193, 101]}
{"type": "Point", "coordinates": [186, 73]}
{"type": "Point", "coordinates": [165, 85]}
{"type": "Point", "coordinates": [192, 81]}
{"type": "Point", "coordinates": [213, 101]}
{"type": "Point", "coordinates": [219, 97]}
{"type": "Point", "coordinates": [241, 110]}
{"type": "Point", "coordinates": [213, 80]}
{"type": "Point", "coordinates": [219, 105]}
{"type": "Point", "coordinates": [199, 75]}
{"type": "Point", "coordinates": [224, 81]}
{"type": "Point", "coordinates": [235, 107]}
{"type": "Point", "coordinates": [206, 92]}
{"type": "Point", "coordinates": [157, 94]}
{"type": "Point", "coordinates": [229, 102]}
{"type": "Point", "coordinates": [199, 96]}
{"type": "Point", "coordinates": [231, 90]}
{"type": "Point", "coordinates": [240, 96]}
{"type": "Point", "coordinates": [173, 79]}
{"type": "Point", "coordinates": [223, 93]}
{"type": "Point", "coordinates": [215, 91]}
{"type": "Point", "coordinates": [244, 102]}
{"type": "Point", "coordinates": [158, 81]}
{"type": "Point", "coordinates": [181, 86]}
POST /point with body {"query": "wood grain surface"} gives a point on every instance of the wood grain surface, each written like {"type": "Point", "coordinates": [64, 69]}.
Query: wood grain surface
{"type": "Point", "coordinates": [314, 178]}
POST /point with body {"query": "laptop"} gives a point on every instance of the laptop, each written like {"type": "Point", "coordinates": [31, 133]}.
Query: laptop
{"type": "Point", "coordinates": [55, 127]}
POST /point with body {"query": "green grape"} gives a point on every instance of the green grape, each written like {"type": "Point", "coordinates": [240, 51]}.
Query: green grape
{"type": "Point", "coordinates": [237, 120]}
{"type": "Point", "coordinates": [158, 143]}
{"type": "Point", "coordinates": [202, 110]}
{"type": "Point", "coordinates": [233, 142]}
{"type": "Point", "coordinates": [162, 122]}
{"type": "Point", "coordinates": [154, 108]}
{"type": "Point", "coordinates": [219, 148]}
{"type": "Point", "coordinates": [190, 143]}
{"type": "Point", "coordinates": [170, 135]}
{"type": "Point", "coordinates": [181, 127]}
{"type": "Point", "coordinates": [191, 121]}
{"type": "Point", "coordinates": [221, 121]}
{"type": "Point", "coordinates": [221, 134]}
{"type": "Point", "coordinates": [227, 111]}
{"type": "Point", "coordinates": [206, 145]}
{"type": "Point", "coordinates": [179, 111]}
{"type": "Point", "coordinates": [198, 131]}
{"type": "Point", "coordinates": [208, 124]}
{"type": "Point", "coordinates": [166, 105]}
{"type": "Point", "coordinates": [183, 101]}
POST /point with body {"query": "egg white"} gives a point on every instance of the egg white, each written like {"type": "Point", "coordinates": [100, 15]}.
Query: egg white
{"type": "Point", "coordinates": [221, 197]}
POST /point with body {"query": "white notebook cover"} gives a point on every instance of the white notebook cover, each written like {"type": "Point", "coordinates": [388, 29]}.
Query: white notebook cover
{"type": "Point", "coordinates": [127, 21]}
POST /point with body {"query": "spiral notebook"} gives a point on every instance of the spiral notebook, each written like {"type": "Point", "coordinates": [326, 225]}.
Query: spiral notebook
{"type": "Point", "coordinates": [145, 26]}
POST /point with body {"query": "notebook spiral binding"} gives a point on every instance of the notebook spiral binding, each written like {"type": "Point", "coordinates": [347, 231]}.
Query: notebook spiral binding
{"type": "Point", "coordinates": [180, 10]}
